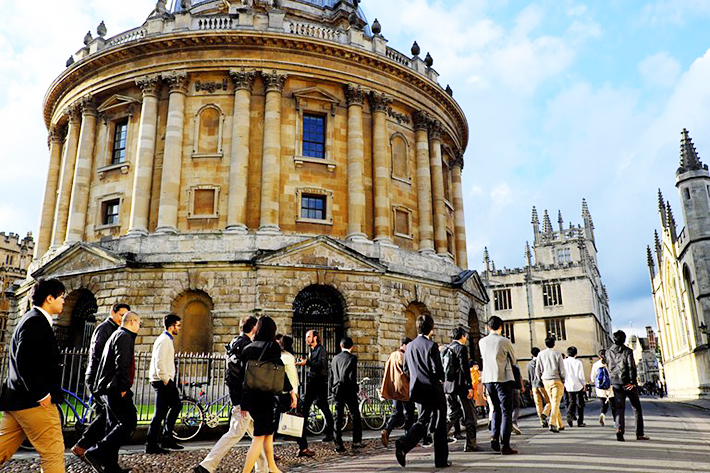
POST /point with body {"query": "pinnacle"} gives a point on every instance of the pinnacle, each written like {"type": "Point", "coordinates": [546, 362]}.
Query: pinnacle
{"type": "Point", "coordinates": [689, 160]}
{"type": "Point", "coordinates": [547, 224]}
{"type": "Point", "coordinates": [535, 220]}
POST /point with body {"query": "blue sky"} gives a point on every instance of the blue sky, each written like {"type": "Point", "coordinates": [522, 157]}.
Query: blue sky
{"type": "Point", "coordinates": [565, 100]}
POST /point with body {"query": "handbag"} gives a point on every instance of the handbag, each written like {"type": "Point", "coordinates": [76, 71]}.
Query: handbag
{"type": "Point", "coordinates": [290, 424]}
{"type": "Point", "coordinates": [265, 376]}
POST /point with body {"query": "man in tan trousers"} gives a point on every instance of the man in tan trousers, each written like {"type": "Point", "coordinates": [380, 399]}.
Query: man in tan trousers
{"type": "Point", "coordinates": [551, 370]}
{"type": "Point", "coordinates": [32, 390]}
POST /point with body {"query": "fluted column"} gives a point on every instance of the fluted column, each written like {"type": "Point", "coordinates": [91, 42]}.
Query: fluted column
{"type": "Point", "coordinates": [82, 171]}
{"type": "Point", "coordinates": [381, 167]}
{"type": "Point", "coordinates": [49, 202]}
{"type": "Point", "coordinates": [61, 213]}
{"type": "Point", "coordinates": [437, 187]}
{"type": "Point", "coordinates": [143, 174]}
{"type": "Point", "coordinates": [421, 127]}
{"type": "Point", "coordinates": [172, 157]}
{"type": "Point", "coordinates": [356, 163]}
{"type": "Point", "coordinates": [270, 163]}
{"type": "Point", "coordinates": [239, 155]}
{"type": "Point", "coordinates": [459, 223]}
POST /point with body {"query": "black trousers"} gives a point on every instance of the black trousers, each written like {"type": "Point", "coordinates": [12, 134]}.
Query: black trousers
{"type": "Point", "coordinates": [167, 410]}
{"type": "Point", "coordinates": [576, 407]}
{"type": "Point", "coordinates": [96, 430]}
{"type": "Point", "coordinates": [316, 392]}
{"type": "Point", "coordinates": [501, 396]}
{"type": "Point", "coordinates": [460, 406]}
{"type": "Point", "coordinates": [620, 395]}
{"type": "Point", "coordinates": [432, 418]}
{"type": "Point", "coordinates": [403, 412]}
{"type": "Point", "coordinates": [121, 421]}
{"type": "Point", "coordinates": [606, 402]}
{"type": "Point", "coordinates": [351, 401]}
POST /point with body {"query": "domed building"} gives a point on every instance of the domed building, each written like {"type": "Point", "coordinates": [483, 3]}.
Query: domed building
{"type": "Point", "coordinates": [255, 157]}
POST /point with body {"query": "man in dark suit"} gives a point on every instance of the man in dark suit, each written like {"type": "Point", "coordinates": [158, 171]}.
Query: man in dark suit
{"type": "Point", "coordinates": [114, 380]}
{"type": "Point", "coordinates": [343, 372]}
{"type": "Point", "coordinates": [426, 377]}
{"type": "Point", "coordinates": [458, 389]}
{"type": "Point", "coordinates": [97, 429]}
{"type": "Point", "coordinates": [32, 390]}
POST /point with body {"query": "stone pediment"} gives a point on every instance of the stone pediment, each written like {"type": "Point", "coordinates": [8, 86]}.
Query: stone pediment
{"type": "Point", "coordinates": [321, 253]}
{"type": "Point", "coordinates": [80, 258]}
{"type": "Point", "coordinates": [316, 93]}
{"type": "Point", "coordinates": [471, 282]}
{"type": "Point", "coordinates": [116, 102]}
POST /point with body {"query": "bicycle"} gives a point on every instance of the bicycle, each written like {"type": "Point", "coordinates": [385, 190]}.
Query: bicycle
{"type": "Point", "coordinates": [195, 413]}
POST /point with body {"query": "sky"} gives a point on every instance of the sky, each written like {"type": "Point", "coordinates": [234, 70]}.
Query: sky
{"type": "Point", "coordinates": [565, 100]}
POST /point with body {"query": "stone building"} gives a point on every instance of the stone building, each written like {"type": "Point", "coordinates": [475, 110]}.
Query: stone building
{"type": "Point", "coordinates": [645, 357]}
{"type": "Point", "coordinates": [15, 258]}
{"type": "Point", "coordinates": [558, 292]}
{"type": "Point", "coordinates": [681, 280]}
{"type": "Point", "coordinates": [252, 157]}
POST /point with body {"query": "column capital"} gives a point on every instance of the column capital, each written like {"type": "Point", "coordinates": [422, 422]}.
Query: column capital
{"type": "Point", "coordinates": [354, 95]}
{"type": "Point", "coordinates": [435, 128]}
{"type": "Point", "coordinates": [379, 102]}
{"type": "Point", "coordinates": [73, 113]}
{"type": "Point", "coordinates": [243, 79]}
{"type": "Point", "coordinates": [88, 105]}
{"type": "Point", "coordinates": [421, 119]}
{"type": "Point", "coordinates": [274, 81]}
{"type": "Point", "coordinates": [457, 161]}
{"type": "Point", "coordinates": [177, 81]}
{"type": "Point", "coordinates": [55, 135]}
{"type": "Point", "coordinates": [149, 85]}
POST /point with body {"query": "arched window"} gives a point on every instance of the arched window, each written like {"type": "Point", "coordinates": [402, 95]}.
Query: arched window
{"type": "Point", "coordinates": [195, 309]}
{"type": "Point", "coordinates": [690, 293]}
{"type": "Point", "coordinates": [208, 132]}
{"type": "Point", "coordinates": [321, 308]}
{"type": "Point", "coordinates": [400, 156]}
{"type": "Point", "coordinates": [413, 310]}
{"type": "Point", "coordinates": [77, 321]}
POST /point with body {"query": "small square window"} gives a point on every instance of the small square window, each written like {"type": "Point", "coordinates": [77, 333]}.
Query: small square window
{"type": "Point", "coordinates": [110, 212]}
{"type": "Point", "coordinates": [401, 222]}
{"type": "Point", "coordinates": [203, 203]}
{"type": "Point", "coordinates": [118, 153]}
{"type": "Point", "coordinates": [313, 136]}
{"type": "Point", "coordinates": [313, 206]}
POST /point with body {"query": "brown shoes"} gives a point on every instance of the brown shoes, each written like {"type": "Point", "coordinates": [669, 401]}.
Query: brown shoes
{"type": "Point", "coordinates": [78, 451]}
{"type": "Point", "coordinates": [385, 437]}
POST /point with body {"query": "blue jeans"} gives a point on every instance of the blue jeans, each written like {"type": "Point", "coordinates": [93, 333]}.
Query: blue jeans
{"type": "Point", "coordinates": [501, 396]}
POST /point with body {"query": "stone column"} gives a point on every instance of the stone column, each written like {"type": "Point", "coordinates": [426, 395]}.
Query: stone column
{"type": "Point", "coordinates": [49, 202]}
{"type": "Point", "coordinates": [239, 155]}
{"type": "Point", "coordinates": [172, 156]}
{"type": "Point", "coordinates": [271, 158]}
{"type": "Point", "coordinates": [381, 167]}
{"type": "Point", "coordinates": [82, 171]}
{"type": "Point", "coordinates": [143, 174]}
{"type": "Point", "coordinates": [421, 127]}
{"type": "Point", "coordinates": [61, 213]}
{"type": "Point", "coordinates": [356, 163]}
{"type": "Point", "coordinates": [437, 186]}
{"type": "Point", "coordinates": [459, 223]}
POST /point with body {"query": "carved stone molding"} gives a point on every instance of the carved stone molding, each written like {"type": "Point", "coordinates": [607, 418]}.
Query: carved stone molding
{"type": "Point", "coordinates": [354, 95]}
{"type": "Point", "coordinates": [73, 113]}
{"type": "Point", "coordinates": [457, 161]}
{"type": "Point", "coordinates": [210, 87]}
{"type": "Point", "coordinates": [421, 119]}
{"type": "Point", "coordinates": [88, 105]}
{"type": "Point", "coordinates": [435, 129]}
{"type": "Point", "coordinates": [379, 102]}
{"type": "Point", "coordinates": [55, 135]}
{"type": "Point", "coordinates": [274, 81]}
{"type": "Point", "coordinates": [399, 117]}
{"type": "Point", "coordinates": [243, 79]}
{"type": "Point", "coordinates": [177, 81]}
{"type": "Point", "coordinates": [149, 85]}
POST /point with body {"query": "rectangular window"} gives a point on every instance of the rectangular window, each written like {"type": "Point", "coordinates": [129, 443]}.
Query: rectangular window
{"type": "Point", "coordinates": [502, 299]}
{"type": "Point", "coordinates": [556, 327]}
{"type": "Point", "coordinates": [563, 255]}
{"type": "Point", "coordinates": [203, 202]}
{"type": "Point", "coordinates": [509, 331]}
{"type": "Point", "coordinates": [313, 206]}
{"type": "Point", "coordinates": [551, 294]}
{"type": "Point", "coordinates": [313, 136]}
{"type": "Point", "coordinates": [401, 222]}
{"type": "Point", "coordinates": [118, 155]}
{"type": "Point", "coordinates": [450, 242]}
{"type": "Point", "coordinates": [109, 211]}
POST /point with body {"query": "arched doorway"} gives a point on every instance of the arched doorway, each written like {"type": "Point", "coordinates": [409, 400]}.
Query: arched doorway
{"type": "Point", "coordinates": [474, 335]}
{"type": "Point", "coordinates": [77, 321]}
{"type": "Point", "coordinates": [411, 313]}
{"type": "Point", "coordinates": [321, 308]}
{"type": "Point", "coordinates": [195, 310]}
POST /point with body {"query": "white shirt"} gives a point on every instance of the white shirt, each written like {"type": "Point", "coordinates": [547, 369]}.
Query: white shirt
{"type": "Point", "coordinates": [574, 374]}
{"type": "Point", "coordinates": [600, 392]}
{"type": "Point", "coordinates": [162, 360]}
{"type": "Point", "coordinates": [289, 362]}
{"type": "Point", "coordinates": [45, 313]}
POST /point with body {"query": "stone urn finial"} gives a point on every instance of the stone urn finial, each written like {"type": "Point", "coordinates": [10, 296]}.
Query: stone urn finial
{"type": "Point", "coordinates": [376, 27]}
{"type": "Point", "coordinates": [88, 38]}
{"type": "Point", "coordinates": [428, 60]}
{"type": "Point", "coordinates": [101, 29]}
{"type": "Point", "coordinates": [416, 49]}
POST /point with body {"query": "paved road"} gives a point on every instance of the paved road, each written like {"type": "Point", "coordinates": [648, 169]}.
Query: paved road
{"type": "Point", "coordinates": [680, 443]}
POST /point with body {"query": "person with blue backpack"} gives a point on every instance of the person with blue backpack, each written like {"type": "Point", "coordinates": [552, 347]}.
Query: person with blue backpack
{"type": "Point", "coordinates": [602, 384]}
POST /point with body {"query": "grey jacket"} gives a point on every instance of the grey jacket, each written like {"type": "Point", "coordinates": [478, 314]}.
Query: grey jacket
{"type": "Point", "coordinates": [550, 365]}
{"type": "Point", "coordinates": [498, 359]}
{"type": "Point", "coordinates": [534, 379]}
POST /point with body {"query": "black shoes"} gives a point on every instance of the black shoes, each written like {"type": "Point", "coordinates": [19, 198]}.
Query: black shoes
{"type": "Point", "coordinates": [582, 425]}
{"type": "Point", "coordinates": [340, 448]}
{"type": "Point", "coordinates": [399, 454]}
{"type": "Point", "coordinates": [619, 436]}
{"type": "Point", "coordinates": [328, 438]}
{"type": "Point", "coordinates": [155, 450]}
{"type": "Point", "coordinates": [570, 422]}
{"type": "Point", "coordinates": [642, 437]}
{"type": "Point", "coordinates": [200, 469]}
{"type": "Point", "coordinates": [495, 445]}
{"type": "Point", "coordinates": [554, 429]}
{"type": "Point", "coordinates": [471, 447]}
{"type": "Point", "coordinates": [94, 461]}
{"type": "Point", "coordinates": [171, 444]}
{"type": "Point", "coordinates": [427, 441]}
{"type": "Point", "coordinates": [357, 446]}
{"type": "Point", "coordinates": [508, 451]}
{"type": "Point", "coordinates": [445, 465]}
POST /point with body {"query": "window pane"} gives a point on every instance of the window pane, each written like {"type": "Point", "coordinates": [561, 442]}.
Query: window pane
{"type": "Point", "coordinates": [313, 207]}
{"type": "Point", "coordinates": [314, 136]}
{"type": "Point", "coordinates": [118, 154]}
{"type": "Point", "coordinates": [110, 212]}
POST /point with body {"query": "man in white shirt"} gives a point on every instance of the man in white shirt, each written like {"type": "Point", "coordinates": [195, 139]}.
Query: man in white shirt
{"type": "Point", "coordinates": [574, 384]}
{"type": "Point", "coordinates": [167, 396]}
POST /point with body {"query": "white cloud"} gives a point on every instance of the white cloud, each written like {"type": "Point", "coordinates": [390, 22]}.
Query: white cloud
{"type": "Point", "coordinates": [660, 70]}
{"type": "Point", "coordinates": [673, 12]}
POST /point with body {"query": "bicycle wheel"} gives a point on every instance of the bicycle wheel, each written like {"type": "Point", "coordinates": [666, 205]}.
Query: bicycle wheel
{"type": "Point", "coordinates": [189, 421]}
{"type": "Point", "coordinates": [373, 412]}
{"type": "Point", "coordinates": [27, 445]}
{"type": "Point", "coordinates": [316, 421]}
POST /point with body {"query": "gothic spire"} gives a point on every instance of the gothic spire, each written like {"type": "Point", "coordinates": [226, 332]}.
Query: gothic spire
{"type": "Point", "coordinates": [649, 261]}
{"type": "Point", "coordinates": [586, 216]}
{"type": "Point", "coordinates": [671, 222]}
{"type": "Point", "coordinates": [659, 249]}
{"type": "Point", "coordinates": [535, 220]}
{"type": "Point", "coordinates": [547, 224]}
{"type": "Point", "coordinates": [689, 160]}
{"type": "Point", "coordinates": [560, 221]}
{"type": "Point", "coordinates": [662, 209]}
{"type": "Point", "coordinates": [528, 254]}
{"type": "Point", "coordinates": [486, 258]}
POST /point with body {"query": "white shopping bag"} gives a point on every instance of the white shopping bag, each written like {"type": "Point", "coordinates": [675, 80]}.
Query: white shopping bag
{"type": "Point", "coordinates": [291, 425]}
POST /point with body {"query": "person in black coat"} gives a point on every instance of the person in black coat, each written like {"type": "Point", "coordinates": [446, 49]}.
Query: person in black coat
{"type": "Point", "coordinates": [459, 391]}
{"type": "Point", "coordinates": [260, 405]}
{"type": "Point", "coordinates": [422, 363]}
{"type": "Point", "coordinates": [32, 389]}
{"type": "Point", "coordinates": [97, 429]}
{"type": "Point", "coordinates": [343, 371]}
{"type": "Point", "coordinates": [114, 380]}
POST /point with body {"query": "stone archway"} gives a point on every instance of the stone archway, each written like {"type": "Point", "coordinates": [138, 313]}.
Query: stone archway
{"type": "Point", "coordinates": [411, 312]}
{"type": "Point", "coordinates": [195, 310]}
{"type": "Point", "coordinates": [474, 335]}
{"type": "Point", "coordinates": [322, 308]}
{"type": "Point", "coordinates": [77, 321]}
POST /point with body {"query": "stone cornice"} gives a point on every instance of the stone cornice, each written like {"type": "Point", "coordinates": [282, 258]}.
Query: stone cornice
{"type": "Point", "coordinates": [379, 102]}
{"type": "Point", "coordinates": [243, 79]}
{"type": "Point", "coordinates": [273, 81]}
{"type": "Point", "coordinates": [149, 85]}
{"type": "Point", "coordinates": [178, 81]}
{"type": "Point", "coordinates": [355, 95]}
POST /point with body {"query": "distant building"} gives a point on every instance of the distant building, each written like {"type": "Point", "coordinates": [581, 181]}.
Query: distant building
{"type": "Point", "coordinates": [558, 292]}
{"type": "Point", "coordinates": [681, 281]}
{"type": "Point", "coordinates": [645, 357]}
{"type": "Point", "coordinates": [15, 257]}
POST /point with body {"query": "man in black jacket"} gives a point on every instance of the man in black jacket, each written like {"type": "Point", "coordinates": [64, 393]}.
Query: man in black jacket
{"type": "Point", "coordinates": [622, 373]}
{"type": "Point", "coordinates": [343, 371]}
{"type": "Point", "coordinates": [458, 390]}
{"type": "Point", "coordinates": [316, 389]}
{"type": "Point", "coordinates": [32, 389]}
{"type": "Point", "coordinates": [97, 429]}
{"type": "Point", "coordinates": [426, 377]}
{"type": "Point", "coordinates": [114, 379]}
